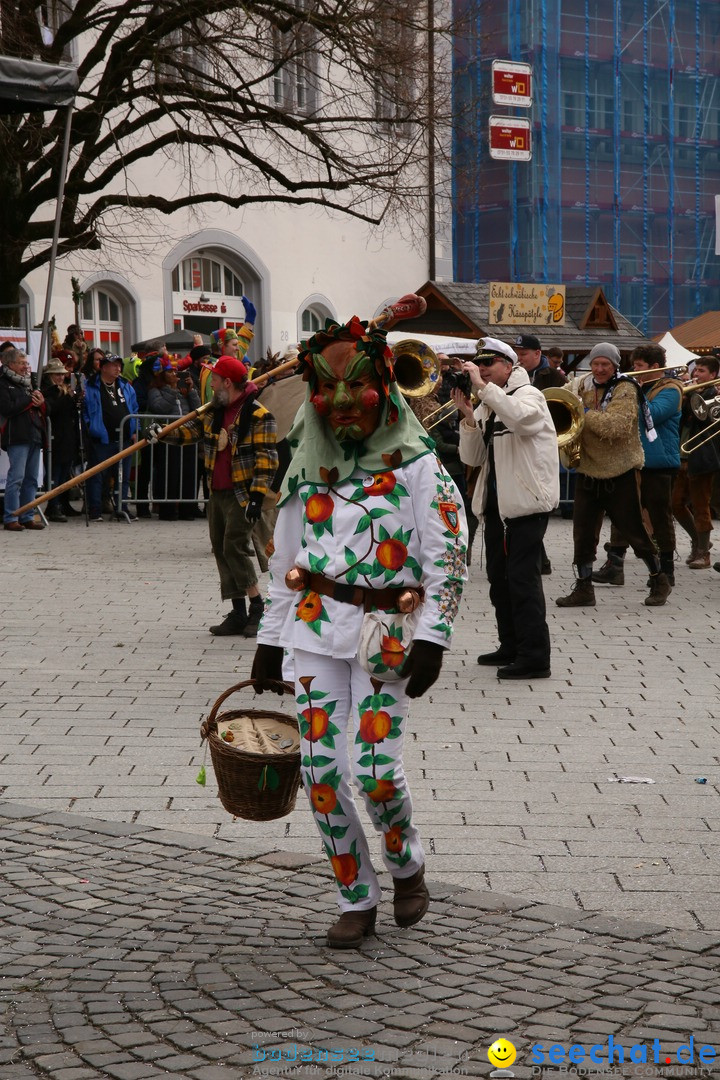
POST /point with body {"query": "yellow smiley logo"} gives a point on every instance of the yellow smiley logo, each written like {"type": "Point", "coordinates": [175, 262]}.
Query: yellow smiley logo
{"type": "Point", "coordinates": [502, 1053]}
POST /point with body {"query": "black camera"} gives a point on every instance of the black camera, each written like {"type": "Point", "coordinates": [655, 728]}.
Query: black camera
{"type": "Point", "coordinates": [458, 380]}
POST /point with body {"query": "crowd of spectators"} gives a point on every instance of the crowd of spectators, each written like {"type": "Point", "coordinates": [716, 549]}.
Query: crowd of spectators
{"type": "Point", "coordinates": [85, 412]}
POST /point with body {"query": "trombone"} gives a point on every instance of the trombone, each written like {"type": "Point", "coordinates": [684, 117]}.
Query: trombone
{"type": "Point", "coordinates": [673, 372]}
{"type": "Point", "coordinates": [691, 387]}
{"type": "Point", "coordinates": [703, 409]}
{"type": "Point", "coordinates": [706, 435]}
{"type": "Point", "coordinates": [444, 412]}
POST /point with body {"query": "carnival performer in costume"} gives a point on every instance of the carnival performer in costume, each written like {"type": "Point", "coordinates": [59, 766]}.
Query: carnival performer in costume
{"type": "Point", "coordinates": [371, 526]}
{"type": "Point", "coordinates": [238, 443]}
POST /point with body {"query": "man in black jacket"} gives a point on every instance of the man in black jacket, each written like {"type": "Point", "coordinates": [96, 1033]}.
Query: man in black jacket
{"type": "Point", "coordinates": [62, 409]}
{"type": "Point", "coordinates": [22, 417]}
{"type": "Point", "coordinates": [540, 372]}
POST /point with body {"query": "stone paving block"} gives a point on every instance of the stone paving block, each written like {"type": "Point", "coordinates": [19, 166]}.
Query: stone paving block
{"type": "Point", "coordinates": [509, 718]}
{"type": "Point", "coordinates": [180, 914]}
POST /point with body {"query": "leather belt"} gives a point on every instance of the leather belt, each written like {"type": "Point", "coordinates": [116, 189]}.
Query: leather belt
{"type": "Point", "coordinates": [359, 596]}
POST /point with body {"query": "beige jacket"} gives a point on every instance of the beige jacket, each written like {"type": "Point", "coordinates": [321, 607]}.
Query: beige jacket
{"type": "Point", "coordinates": [610, 440]}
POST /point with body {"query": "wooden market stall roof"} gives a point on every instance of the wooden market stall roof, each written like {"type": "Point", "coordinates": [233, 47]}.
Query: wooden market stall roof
{"type": "Point", "coordinates": [700, 334]}
{"type": "Point", "coordinates": [461, 309]}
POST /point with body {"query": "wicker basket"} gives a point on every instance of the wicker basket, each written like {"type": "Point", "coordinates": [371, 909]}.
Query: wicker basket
{"type": "Point", "coordinates": [256, 786]}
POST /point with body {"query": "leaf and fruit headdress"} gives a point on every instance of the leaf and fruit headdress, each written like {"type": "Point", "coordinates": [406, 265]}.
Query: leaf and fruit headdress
{"type": "Point", "coordinates": [369, 340]}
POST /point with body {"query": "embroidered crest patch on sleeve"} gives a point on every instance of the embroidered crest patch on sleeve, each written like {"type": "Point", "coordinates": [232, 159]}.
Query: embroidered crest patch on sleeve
{"type": "Point", "coordinates": [449, 513]}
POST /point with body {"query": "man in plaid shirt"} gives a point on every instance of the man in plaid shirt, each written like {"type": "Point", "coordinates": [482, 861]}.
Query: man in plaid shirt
{"type": "Point", "coordinates": [238, 436]}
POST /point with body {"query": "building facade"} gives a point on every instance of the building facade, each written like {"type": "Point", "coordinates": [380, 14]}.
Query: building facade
{"type": "Point", "coordinates": [150, 274]}
{"type": "Point", "coordinates": [198, 271]}
{"type": "Point", "coordinates": [625, 123]}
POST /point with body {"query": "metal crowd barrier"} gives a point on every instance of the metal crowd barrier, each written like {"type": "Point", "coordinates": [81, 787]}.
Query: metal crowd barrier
{"type": "Point", "coordinates": [163, 473]}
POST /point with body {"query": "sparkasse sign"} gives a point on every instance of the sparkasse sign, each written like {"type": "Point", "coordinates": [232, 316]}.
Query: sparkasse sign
{"type": "Point", "coordinates": [511, 83]}
{"type": "Point", "coordinates": [510, 138]}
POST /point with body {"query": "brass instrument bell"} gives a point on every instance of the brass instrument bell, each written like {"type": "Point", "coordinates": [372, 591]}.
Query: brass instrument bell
{"type": "Point", "coordinates": [568, 416]}
{"type": "Point", "coordinates": [417, 368]}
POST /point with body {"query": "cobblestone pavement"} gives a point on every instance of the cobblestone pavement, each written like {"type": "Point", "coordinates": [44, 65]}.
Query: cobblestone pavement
{"type": "Point", "coordinates": [138, 953]}
{"type": "Point", "coordinates": [107, 667]}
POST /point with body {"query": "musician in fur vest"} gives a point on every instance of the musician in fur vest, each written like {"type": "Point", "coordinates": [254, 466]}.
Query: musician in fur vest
{"type": "Point", "coordinates": [611, 454]}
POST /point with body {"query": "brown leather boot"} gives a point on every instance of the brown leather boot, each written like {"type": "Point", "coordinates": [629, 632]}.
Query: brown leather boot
{"type": "Point", "coordinates": [411, 899]}
{"type": "Point", "coordinates": [610, 573]}
{"type": "Point", "coordinates": [582, 595]}
{"type": "Point", "coordinates": [659, 590]}
{"type": "Point", "coordinates": [701, 560]}
{"type": "Point", "coordinates": [350, 929]}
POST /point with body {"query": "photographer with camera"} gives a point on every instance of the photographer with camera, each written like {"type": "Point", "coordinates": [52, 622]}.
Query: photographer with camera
{"type": "Point", "coordinates": [512, 437]}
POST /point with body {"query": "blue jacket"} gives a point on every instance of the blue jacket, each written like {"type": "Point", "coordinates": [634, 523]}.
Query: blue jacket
{"type": "Point", "coordinates": [92, 409]}
{"type": "Point", "coordinates": [665, 400]}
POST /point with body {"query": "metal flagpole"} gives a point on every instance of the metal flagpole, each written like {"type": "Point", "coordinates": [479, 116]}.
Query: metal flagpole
{"type": "Point", "coordinates": [53, 251]}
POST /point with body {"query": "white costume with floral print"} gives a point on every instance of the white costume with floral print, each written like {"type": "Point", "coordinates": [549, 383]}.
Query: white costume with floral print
{"type": "Point", "coordinates": [402, 527]}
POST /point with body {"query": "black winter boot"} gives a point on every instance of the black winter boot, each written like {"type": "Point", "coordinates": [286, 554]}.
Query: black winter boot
{"type": "Point", "coordinates": [232, 625]}
{"type": "Point", "coordinates": [254, 616]}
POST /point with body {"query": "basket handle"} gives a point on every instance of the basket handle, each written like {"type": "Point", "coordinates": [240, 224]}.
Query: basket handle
{"type": "Point", "coordinates": [275, 685]}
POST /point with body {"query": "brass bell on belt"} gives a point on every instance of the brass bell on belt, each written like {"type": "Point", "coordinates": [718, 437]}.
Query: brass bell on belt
{"type": "Point", "coordinates": [296, 578]}
{"type": "Point", "coordinates": [408, 600]}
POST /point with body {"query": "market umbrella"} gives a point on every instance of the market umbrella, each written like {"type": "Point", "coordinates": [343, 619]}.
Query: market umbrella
{"type": "Point", "coordinates": [177, 339]}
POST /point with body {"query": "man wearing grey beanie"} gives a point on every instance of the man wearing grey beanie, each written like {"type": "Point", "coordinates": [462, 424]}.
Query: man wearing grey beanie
{"type": "Point", "coordinates": [607, 482]}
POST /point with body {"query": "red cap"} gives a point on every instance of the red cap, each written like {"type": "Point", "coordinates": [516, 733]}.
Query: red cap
{"type": "Point", "coordinates": [227, 367]}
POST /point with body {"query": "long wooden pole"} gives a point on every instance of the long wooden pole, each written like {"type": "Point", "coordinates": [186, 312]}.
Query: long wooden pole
{"type": "Point", "coordinates": [139, 445]}
{"type": "Point", "coordinates": [131, 449]}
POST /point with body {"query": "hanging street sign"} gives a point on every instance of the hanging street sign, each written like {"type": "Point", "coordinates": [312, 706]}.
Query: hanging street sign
{"type": "Point", "coordinates": [510, 303]}
{"type": "Point", "coordinates": [511, 83]}
{"type": "Point", "coordinates": [510, 138]}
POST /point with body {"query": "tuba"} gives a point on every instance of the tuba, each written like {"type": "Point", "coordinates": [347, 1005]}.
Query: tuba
{"type": "Point", "coordinates": [568, 416]}
{"type": "Point", "coordinates": [417, 368]}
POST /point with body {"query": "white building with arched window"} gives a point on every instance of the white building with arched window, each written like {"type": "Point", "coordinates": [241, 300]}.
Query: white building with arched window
{"type": "Point", "coordinates": [298, 266]}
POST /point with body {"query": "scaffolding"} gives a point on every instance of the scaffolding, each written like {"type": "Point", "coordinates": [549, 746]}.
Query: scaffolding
{"type": "Point", "coordinates": [626, 162]}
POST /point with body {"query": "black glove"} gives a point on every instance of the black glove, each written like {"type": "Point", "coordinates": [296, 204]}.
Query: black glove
{"type": "Point", "coordinates": [152, 431]}
{"type": "Point", "coordinates": [267, 665]}
{"type": "Point", "coordinates": [253, 510]}
{"type": "Point", "coordinates": [423, 666]}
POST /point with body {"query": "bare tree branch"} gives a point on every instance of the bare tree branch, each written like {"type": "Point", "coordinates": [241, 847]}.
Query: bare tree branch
{"type": "Point", "coordinates": [307, 101]}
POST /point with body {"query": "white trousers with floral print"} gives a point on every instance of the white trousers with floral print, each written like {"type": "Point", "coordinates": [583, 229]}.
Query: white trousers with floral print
{"type": "Point", "coordinates": [334, 698]}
